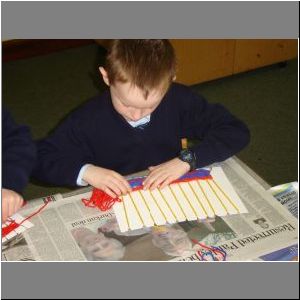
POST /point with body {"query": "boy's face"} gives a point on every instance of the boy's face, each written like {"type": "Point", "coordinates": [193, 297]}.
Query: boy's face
{"type": "Point", "coordinates": [130, 102]}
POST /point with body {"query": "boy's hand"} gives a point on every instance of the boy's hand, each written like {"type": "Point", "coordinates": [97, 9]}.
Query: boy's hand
{"type": "Point", "coordinates": [111, 182]}
{"type": "Point", "coordinates": [163, 174]}
{"type": "Point", "coordinates": [11, 202]}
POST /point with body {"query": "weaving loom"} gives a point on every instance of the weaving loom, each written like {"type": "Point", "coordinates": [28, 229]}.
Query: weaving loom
{"type": "Point", "coordinates": [197, 195]}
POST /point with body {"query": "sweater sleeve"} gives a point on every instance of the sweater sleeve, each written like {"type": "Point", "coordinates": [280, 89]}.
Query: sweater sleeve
{"type": "Point", "coordinates": [221, 134]}
{"type": "Point", "coordinates": [19, 153]}
{"type": "Point", "coordinates": [63, 153]}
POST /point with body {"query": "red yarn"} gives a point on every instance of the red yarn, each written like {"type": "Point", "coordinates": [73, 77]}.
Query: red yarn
{"type": "Point", "coordinates": [101, 200]}
{"type": "Point", "coordinates": [191, 179]}
{"type": "Point", "coordinates": [14, 225]}
{"type": "Point", "coordinates": [9, 228]}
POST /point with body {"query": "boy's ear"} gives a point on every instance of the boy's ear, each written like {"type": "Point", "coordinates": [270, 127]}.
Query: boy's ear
{"type": "Point", "coordinates": [104, 75]}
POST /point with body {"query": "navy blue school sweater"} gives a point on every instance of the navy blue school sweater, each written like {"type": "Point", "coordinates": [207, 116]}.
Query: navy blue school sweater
{"type": "Point", "coordinates": [18, 153]}
{"type": "Point", "coordinates": [97, 134]}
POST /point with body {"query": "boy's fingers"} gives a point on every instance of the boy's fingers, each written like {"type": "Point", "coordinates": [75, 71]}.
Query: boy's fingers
{"type": "Point", "coordinates": [109, 192]}
{"type": "Point", "coordinates": [155, 184]}
{"type": "Point", "coordinates": [11, 208]}
{"type": "Point", "coordinates": [126, 185]}
{"type": "Point", "coordinates": [4, 217]}
{"type": "Point", "coordinates": [11, 204]}
{"type": "Point", "coordinates": [149, 181]}
{"type": "Point", "coordinates": [165, 183]}
{"type": "Point", "coordinates": [125, 188]}
{"type": "Point", "coordinates": [158, 181]}
{"type": "Point", "coordinates": [18, 203]}
{"type": "Point", "coordinates": [123, 181]}
{"type": "Point", "coordinates": [4, 209]}
{"type": "Point", "coordinates": [4, 214]}
{"type": "Point", "coordinates": [14, 206]}
{"type": "Point", "coordinates": [22, 202]}
{"type": "Point", "coordinates": [120, 185]}
{"type": "Point", "coordinates": [115, 188]}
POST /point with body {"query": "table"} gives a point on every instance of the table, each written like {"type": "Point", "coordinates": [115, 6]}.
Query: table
{"type": "Point", "coordinates": [67, 230]}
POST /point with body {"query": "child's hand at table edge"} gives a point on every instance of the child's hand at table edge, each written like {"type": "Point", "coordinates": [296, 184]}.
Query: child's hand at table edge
{"type": "Point", "coordinates": [162, 175]}
{"type": "Point", "coordinates": [11, 203]}
{"type": "Point", "coordinates": [109, 181]}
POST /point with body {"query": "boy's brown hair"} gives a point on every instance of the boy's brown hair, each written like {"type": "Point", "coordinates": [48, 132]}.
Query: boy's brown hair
{"type": "Point", "coordinates": [146, 64]}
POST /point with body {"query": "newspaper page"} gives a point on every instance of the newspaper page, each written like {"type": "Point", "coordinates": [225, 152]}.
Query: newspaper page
{"type": "Point", "coordinates": [67, 230]}
{"type": "Point", "coordinates": [288, 195]}
{"type": "Point", "coordinates": [48, 239]}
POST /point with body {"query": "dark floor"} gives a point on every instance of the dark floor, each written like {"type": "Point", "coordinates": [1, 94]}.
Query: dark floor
{"type": "Point", "coordinates": [40, 91]}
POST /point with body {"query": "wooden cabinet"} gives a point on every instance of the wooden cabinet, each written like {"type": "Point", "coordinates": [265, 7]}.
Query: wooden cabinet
{"type": "Point", "coordinates": [201, 60]}
{"type": "Point", "coordinates": [252, 54]}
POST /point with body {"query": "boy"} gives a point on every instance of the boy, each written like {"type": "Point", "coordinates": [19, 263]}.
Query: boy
{"type": "Point", "coordinates": [138, 124]}
{"type": "Point", "coordinates": [19, 157]}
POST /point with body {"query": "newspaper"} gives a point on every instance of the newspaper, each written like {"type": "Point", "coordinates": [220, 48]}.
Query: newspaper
{"type": "Point", "coordinates": [66, 230]}
{"type": "Point", "coordinates": [288, 195]}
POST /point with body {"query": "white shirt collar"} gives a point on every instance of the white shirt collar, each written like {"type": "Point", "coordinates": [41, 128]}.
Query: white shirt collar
{"type": "Point", "coordinates": [140, 122]}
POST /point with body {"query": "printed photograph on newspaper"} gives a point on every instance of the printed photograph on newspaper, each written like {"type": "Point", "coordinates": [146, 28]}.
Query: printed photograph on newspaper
{"type": "Point", "coordinates": [103, 241]}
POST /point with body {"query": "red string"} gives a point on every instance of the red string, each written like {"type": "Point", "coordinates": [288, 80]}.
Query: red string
{"type": "Point", "coordinates": [9, 228]}
{"type": "Point", "coordinates": [101, 200]}
{"type": "Point", "coordinates": [191, 179]}
{"type": "Point", "coordinates": [14, 225]}
{"type": "Point", "coordinates": [48, 199]}
{"type": "Point", "coordinates": [211, 249]}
